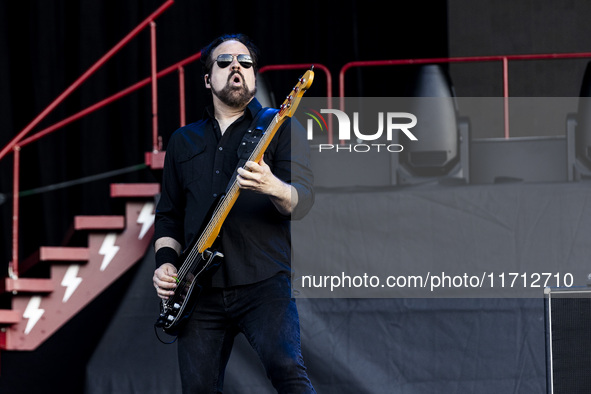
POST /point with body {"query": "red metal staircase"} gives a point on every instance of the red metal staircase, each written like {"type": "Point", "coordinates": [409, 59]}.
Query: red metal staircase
{"type": "Point", "coordinates": [78, 274]}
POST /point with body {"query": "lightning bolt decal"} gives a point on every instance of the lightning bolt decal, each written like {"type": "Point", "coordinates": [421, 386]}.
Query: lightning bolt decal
{"type": "Point", "coordinates": [108, 249]}
{"type": "Point", "coordinates": [33, 313]}
{"type": "Point", "coordinates": [71, 281]}
{"type": "Point", "coordinates": [146, 218]}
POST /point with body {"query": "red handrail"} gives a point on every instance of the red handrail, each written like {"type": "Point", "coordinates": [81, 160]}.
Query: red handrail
{"type": "Point", "coordinates": [504, 59]}
{"type": "Point", "coordinates": [182, 95]}
{"type": "Point", "coordinates": [13, 266]}
{"type": "Point", "coordinates": [84, 77]}
{"type": "Point", "coordinates": [110, 99]}
{"type": "Point", "coordinates": [138, 85]}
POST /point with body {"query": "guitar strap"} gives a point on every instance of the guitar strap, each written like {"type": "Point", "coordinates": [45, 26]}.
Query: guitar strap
{"type": "Point", "coordinates": [251, 138]}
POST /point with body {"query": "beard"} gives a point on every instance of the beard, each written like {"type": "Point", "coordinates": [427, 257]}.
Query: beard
{"type": "Point", "coordinates": [235, 96]}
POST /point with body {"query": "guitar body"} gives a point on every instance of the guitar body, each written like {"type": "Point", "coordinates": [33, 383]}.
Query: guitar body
{"type": "Point", "coordinates": [195, 271]}
{"type": "Point", "coordinates": [175, 311]}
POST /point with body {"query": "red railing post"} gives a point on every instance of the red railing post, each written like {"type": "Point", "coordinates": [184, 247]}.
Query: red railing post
{"type": "Point", "coordinates": [13, 267]}
{"type": "Point", "coordinates": [182, 95]}
{"type": "Point", "coordinates": [506, 94]}
{"type": "Point", "coordinates": [155, 145]}
{"type": "Point", "coordinates": [504, 59]}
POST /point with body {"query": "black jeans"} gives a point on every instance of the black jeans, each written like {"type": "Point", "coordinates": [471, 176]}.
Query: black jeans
{"type": "Point", "coordinates": [268, 317]}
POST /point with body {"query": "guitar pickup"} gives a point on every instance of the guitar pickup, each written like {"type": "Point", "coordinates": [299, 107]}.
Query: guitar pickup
{"type": "Point", "coordinates": [208, 254]}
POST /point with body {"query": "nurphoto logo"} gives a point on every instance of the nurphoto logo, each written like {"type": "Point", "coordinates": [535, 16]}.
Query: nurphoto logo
{"type": "Point", "coordinates": [388, 123]}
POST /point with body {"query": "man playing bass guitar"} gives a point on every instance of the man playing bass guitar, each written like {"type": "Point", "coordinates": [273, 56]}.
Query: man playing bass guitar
{"type": "Point", "coordinates": [250, 291]}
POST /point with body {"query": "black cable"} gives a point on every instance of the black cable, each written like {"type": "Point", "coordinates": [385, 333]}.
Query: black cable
{"type": "Point", "coordinates": [62, 185]}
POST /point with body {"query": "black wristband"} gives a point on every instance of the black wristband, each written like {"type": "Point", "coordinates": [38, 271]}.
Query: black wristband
{"type": "Point", "coordinates": [165, 255]}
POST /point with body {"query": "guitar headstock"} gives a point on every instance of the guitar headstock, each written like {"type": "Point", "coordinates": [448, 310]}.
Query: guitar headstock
{"type": "Point", "coordinates": [292, 101]}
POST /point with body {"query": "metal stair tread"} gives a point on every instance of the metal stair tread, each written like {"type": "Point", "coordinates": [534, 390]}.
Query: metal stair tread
{"type": "Point", "coordinates": [134, 189]}
{"type": "Point", "coordinates": [63, 253]}
{"type": "Point", "coordinates": [9, 316]}
{"type": "Point", "coordinates": [40, 285]}
{"type": "Point", "coordinates": [104, 222]}
{"type": "Point", "coordinates": [155, 160]}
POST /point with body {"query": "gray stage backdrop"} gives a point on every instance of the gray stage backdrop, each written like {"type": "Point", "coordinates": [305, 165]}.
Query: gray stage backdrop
{"type": "Point", "coordinates": [394, 344]}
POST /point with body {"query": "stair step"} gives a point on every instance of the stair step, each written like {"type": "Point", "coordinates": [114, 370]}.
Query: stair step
{"type": "Point", "coordinates": [25, 285]}
{"type": "Point", "coordinates": [99, 222]}
{"type": "Point", "coordinates": [134, 189]}
{"type": "Point", "coordinates": [63, 253]}
{"type": "Point", "coordinates": [8, 316]}
{"type": "Point", "coordinates": [155, 160]}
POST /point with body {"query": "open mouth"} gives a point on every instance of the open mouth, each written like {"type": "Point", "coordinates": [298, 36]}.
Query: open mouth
{"type": "Point", "coordinates": [236, 79]}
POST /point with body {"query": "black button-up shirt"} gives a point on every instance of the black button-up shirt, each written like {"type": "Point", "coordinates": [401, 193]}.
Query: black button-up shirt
{"type": "Point", "coordinates": [199, 163]}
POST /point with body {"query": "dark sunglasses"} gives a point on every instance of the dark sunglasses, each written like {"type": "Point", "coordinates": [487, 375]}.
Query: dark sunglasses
{"type": "Point", "coordinates": [225, 59]}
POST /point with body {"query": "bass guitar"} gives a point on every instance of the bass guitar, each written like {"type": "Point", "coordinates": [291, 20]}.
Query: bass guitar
{"type": "Point", "coordinates": [201, 256]}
